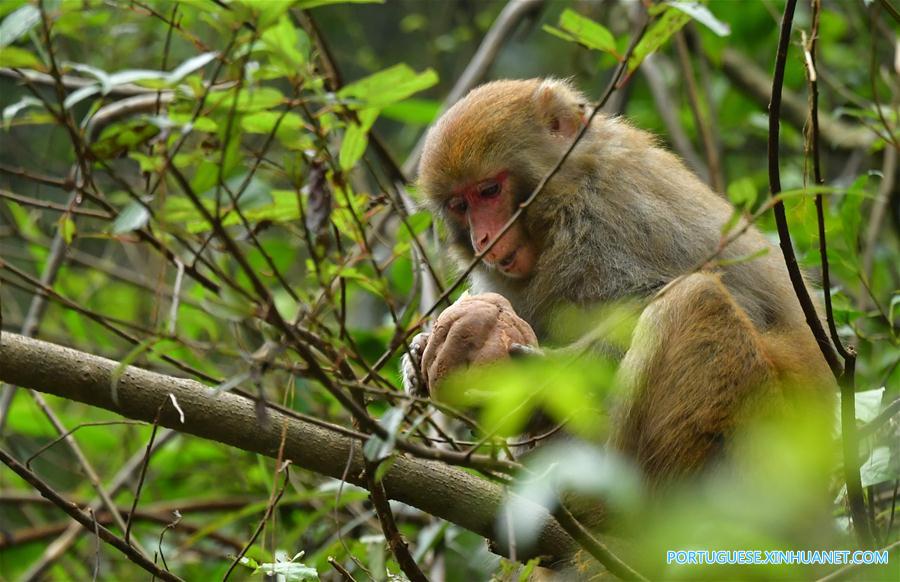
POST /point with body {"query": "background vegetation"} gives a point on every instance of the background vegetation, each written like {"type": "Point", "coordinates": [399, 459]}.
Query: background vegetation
{"type": "Point", "coordinates": [217, 190]}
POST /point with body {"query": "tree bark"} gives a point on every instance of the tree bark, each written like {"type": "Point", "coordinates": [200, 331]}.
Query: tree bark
{"type": "Point", "coordinates": [441, 490]}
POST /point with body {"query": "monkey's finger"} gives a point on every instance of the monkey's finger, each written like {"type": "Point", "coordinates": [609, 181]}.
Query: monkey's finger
{"type": "Point", "coordinates": [411, 377]}
{"type": "Point", "coordinates": [521, 351]}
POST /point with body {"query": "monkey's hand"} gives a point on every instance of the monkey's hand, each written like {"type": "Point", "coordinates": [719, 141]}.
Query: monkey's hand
{"type": "Point", "coordinates": [477, 329]}
{"type": "Point", "coordinates": [411, 365]}
{"type": "Point", "coordinates": [524, 351]}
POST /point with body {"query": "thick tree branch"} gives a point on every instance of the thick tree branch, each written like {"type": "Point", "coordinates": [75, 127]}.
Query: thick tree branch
{"type": "Point", "coordinates": [441, 490]}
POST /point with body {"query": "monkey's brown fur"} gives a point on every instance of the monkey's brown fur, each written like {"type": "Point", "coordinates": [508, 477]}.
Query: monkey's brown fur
{"type": "Point", "coordinates": [625, 218]}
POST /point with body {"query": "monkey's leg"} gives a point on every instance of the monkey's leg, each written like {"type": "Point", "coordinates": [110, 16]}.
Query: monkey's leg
{"type": "Point", "coordinates": [695, 363]}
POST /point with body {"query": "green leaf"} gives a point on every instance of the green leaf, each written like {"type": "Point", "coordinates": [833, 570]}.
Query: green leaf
{"type": "Point", "coordinates": [133, 217]}
{"type": "Point", "coordinates": [742, 193]}
{"type": "Point", "coordinates": [583, 30]}
{"type": "Point", "coordinates": [509, 393]}
{"type": "Point", "coordinates": [388, 86]}
{"type": "Point", "coordinates": [306, 4]}
{"type": "Point", "coordinates": [265, 121]}
{"type": "Point", "coordinates": [285, 40]}
{"type": "Point", "coordinates": [67, 228]}
{"type": "Point", "coordinates": [671, 21]}
{"type": "Point", "coordinates": [12, 56]}
{"type": "Point", "coordinates": [256, 99]}
{"type": "Point", "coordinates": [148, 163]}
{"type": "Point", "coordinates": [201, 123]}
{"type": "Point", "coordinates": [354, 146]}
{"type": "Point", "coordinates": [265, 12]}
{"type": "Point", "coordinates": [206, 176]}
{"type": "Point", "coordinates": [9, 6]}
{"type": "Point", "coordinates": [701, 14]}
{"type": "Point", "coordinates": [878, 468]}
{"type": "Point", "coordinates": [413, 111]}
{"type": "Point", "coordinates": [108, 81]}
{"type": "Point", "coordinates": [25, 222]}
{"type": "Point", "coordinates": [81, 94]}
{"type": "Point", "coordinates": [10, 111]}
{"type": "Point", "coordinates": [18, 24]}
{"type": "Point", "coordinates": [383, 467]}
{"type": "Point", "coordinates": [291, 130]}
{"type": "Point", "coordinates": [377, 448]}
{"type": "Point", "coordinates": [528, 569]}
{"type": "Point", "coordinates": [845, 311]}
{"type": "Point", "coordinates": [282, 209]}
{"type": "Point", "coordinates": [120, 137]}
{"type": "Point", "coordinates": [189, 66]}
{"type": "Point", "coordinates": [356, 138]}
{"type": "Point", "coordinates": [868, 404]}
{"type": "Point", "coordinates": [288, 571]}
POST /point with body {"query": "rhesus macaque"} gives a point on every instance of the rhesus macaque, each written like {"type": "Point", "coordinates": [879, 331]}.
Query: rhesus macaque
{"type": "Point", "coordinates": [623, 218]}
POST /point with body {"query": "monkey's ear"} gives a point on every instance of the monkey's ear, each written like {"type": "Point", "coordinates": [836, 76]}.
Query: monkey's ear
{"type": "Point", "coordinates": [558, 107]}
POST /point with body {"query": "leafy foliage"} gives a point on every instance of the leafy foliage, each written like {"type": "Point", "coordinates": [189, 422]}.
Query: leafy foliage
{"type": "Point", "coordinates": [184, 182]}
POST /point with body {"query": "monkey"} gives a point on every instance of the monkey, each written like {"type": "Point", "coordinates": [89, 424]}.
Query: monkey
{"type": "Point", "coordinates": [622, 218]}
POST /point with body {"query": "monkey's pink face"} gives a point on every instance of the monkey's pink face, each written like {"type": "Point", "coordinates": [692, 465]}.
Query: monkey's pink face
{"type": "Point", "coordinates": [483, 208]}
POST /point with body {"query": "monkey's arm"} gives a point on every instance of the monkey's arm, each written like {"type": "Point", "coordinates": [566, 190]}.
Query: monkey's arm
{"type": "Point", "coordinates": [595, 342]}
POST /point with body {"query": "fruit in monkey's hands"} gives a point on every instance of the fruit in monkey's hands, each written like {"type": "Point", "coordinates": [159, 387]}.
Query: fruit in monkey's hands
{"type": "Point", "coordinates": [477, 329]}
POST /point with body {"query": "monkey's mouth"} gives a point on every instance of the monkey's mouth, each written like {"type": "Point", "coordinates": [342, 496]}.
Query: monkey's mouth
{"type": "Point", "coordinates": [507, 262]}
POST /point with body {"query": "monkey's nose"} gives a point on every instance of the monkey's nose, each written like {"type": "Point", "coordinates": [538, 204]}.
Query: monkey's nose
{"type": "Point", "coordinates": [482, 242]}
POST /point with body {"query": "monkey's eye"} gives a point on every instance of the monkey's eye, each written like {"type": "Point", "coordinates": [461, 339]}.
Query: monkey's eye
{"type": "Point", "coordinates": [457, 205]}
{"type": "Point", "coordinates": [490, 191]}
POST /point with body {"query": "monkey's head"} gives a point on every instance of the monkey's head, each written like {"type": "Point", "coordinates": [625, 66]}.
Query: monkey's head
{"type": "Point", "coordinates": [485, 156]}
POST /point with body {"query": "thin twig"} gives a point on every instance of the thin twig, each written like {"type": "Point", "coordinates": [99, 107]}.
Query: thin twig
{"type": "Point", "coordinates": [849, 569]}
{"type": "Point", "coordinates": [594, 546]}
{"type": "Point", "coordinates": [171, 525]}
{"type": "Point", "coordinates": [341, 570]}
{"type": "Point", "coordinates": [664, 100]}
{"type": "Point", "coordinates": [819, 179]}
{"type": "Point", "coordinates": [148, 451]}
{"type": "Point", "coordinates": [703, 123]}
{"type": "Point", "coordinates": [71, 431]}
{"type": "Point", "coordinates": [262, 522]}
{"type": "Point", "coordinates": [85, 520]}
{"type": "Point", "coordinates": [846, 379]}
{"type": "Point", "coordinates": [47, 205]}
{"type": "Point", "coordinates": [395, 540]}
{"type": "Point", "coordinates": [784, 234]}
